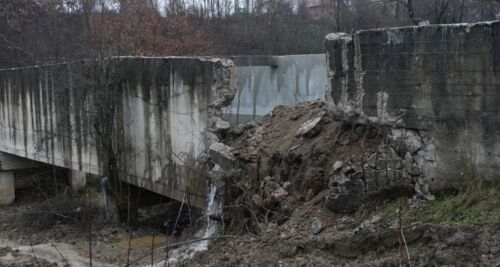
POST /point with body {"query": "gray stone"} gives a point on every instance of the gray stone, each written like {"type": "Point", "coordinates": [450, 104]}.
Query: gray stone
{"type": "Point", "coordinates": [337, 165]}
{"type": "Point", "coordinates": [310, 128]}
{"type": "Point", "coordinates": [257, 200]}
{"type": "Point", "coordinates": [222, 125]}
{"type": "Point", "coordinates": [222, 155]}
{"type": "Point", "coordinates": [316, 226]}
{"type": "Point", "coordinates": [403, 140]}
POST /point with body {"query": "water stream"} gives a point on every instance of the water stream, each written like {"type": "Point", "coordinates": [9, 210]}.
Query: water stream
{"type": "Point", "coordinates": [212, 227]}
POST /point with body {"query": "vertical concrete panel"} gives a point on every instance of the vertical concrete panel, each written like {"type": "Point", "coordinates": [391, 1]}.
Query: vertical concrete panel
{"type": "Point", "coordinates": [7, 187]}
{"type": "Point", "coordinates": [163, 107]}
{"type": "Point", "coordinates": [443, 78]}
{"type": "Point", "coordinates": [293, 79]}
{"type": "Point", "coordinates": [77, 179]}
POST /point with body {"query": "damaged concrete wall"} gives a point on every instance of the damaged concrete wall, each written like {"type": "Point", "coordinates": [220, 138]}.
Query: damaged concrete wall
{"type": "Point", "coordinates": [162, 106]}
{"type": "Point", "coordinates": [265, 82]}
{"type": "Point", "coordinates": [442, 80]}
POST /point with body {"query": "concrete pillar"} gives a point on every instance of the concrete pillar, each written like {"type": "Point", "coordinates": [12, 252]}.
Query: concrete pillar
{"type": "Point", "coordinates": [7, 187]}
{"type": "Point", "coordinates": [77, 179]}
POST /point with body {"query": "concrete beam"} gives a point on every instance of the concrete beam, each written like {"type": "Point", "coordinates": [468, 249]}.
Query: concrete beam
{"type": "Point", "coordinates": [7, 187]}
{"type": "Point", "coordinates": [9, 162]}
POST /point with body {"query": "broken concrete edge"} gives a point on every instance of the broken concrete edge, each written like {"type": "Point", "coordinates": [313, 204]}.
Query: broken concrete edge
{"type": "Point", "coordinates": [224, 89]}
{"type": "Point", "coordinates": [224, 86]}
{"type": "Point", "coordinates": [398, 166]}
{"type": "Point", "coordinates": [218, 157]}
{"type": "Point", "coordinates": [400, 162]}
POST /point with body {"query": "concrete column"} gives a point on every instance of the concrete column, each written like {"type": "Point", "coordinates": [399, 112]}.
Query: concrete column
{"type": "Point", "coordinates": [7, 187]}
{"type": "Point", "coordinates": [77, 179]}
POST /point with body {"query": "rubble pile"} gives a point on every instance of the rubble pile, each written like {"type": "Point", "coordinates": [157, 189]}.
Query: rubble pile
{"type": "Point", "coordinates": [294, 153]}
{"type": "Point", "coordinates": [393, 167]}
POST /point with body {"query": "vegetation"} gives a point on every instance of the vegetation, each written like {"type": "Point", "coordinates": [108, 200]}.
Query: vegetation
{"type": "Point", "coordinates": [478, 203]}
{"type": "Point", "coordinates": [34, 32]}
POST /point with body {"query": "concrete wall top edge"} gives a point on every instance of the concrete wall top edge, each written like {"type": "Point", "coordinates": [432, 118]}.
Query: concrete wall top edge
{"type": "Point", "coordinates": [239, 60]}
{"type": "Point", "coordinates": [199, 58]}
{"type": "Point", "coordinates": [432, 26]}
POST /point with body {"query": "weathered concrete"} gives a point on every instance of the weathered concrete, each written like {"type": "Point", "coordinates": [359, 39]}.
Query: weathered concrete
{"type": "Point", "coordinates": [77, 179]}
{"type": "Point", "coordinates": [442, 80]}
{"type": "Point", "coordinates": [265, 82]}
{"type": "Point", "coordinates": [7, 187]}
{"type": "Point", "coordinates": [160, 108]}
{"type": "Point", "coordinates": [12, 162]}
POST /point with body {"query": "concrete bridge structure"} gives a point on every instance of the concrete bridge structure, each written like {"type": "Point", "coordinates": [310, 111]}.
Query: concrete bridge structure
{"type": "Point", "coordinates": [151, 113]}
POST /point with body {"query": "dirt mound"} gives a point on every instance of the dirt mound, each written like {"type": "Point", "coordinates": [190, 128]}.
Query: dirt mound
{"type": "Point", "coordinates": [289, 157]}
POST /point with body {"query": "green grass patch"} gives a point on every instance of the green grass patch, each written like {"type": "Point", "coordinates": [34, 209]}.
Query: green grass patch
{"type": "Point", "coordinates": [478, 203]}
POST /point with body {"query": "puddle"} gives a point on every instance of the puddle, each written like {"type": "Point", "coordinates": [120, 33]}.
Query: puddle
{"type": "Point", "coordinates": [143, 241]}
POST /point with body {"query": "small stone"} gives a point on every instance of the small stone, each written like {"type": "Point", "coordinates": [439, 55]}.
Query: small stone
{"type": "Point", "coordinates": [316, 226]}
{"type": "Point", "coordinates": [337, 165]}
{"type": "Point", "coordinates": [279, 193]}
{"type": "Point", "coordinates": [405, 141]}
{"type": "Point", "coordinates": [295, 116]}
{"type": "Point", "coordinates": [222, 125]}
{"type": "Point", "coordinates": [257, 200]}
{"type": "Point", "coordinates": [286, 184]}
{"type": "Point", "coordinates": [310, 128]}
{"type": "Point", "coordinates": [300, 262]}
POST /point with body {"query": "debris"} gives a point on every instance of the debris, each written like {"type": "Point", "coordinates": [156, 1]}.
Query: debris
{"type": "Point", "coordinates": [222, 125]}
{"type": "Point", "coordinates": [403, 140]}
{"type": "Point", "coordinates": [210, 138]}
{"type": "Point", "coordinates": [346, 194]}
{"type": "Point", "coordinates": [337, 165]}
{"type": "Point", "coordinates": [310, 128]}
{"type": "Point", "coordinates": [222, 155]}
{"type": "Point", "coordinates": [257, 200]}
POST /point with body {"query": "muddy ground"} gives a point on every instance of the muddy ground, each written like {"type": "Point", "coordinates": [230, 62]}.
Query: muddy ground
{"type": "Point", "coordinates": [311, 236]}
{"type": "Point", "coordinates": [30, 236]}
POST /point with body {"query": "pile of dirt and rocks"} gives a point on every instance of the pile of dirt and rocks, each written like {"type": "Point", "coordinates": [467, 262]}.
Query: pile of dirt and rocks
{"type": "Point", "coordinates": [307, 187]}
{"type": "Point", "coordinates": [294, 153]}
